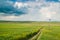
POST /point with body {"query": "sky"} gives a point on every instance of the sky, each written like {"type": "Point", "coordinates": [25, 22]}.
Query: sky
{"type": "Point", "coordinates": [30, 10]}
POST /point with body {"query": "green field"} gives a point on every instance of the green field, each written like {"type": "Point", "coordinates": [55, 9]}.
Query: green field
{"type": "Point", "coordinates": [26, 30]}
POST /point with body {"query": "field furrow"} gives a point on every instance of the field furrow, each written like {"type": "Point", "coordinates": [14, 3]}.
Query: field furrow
{"type": "Point", "coordinates": [29, 30]}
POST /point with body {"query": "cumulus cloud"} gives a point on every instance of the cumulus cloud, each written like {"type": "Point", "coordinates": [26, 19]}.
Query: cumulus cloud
{"type": "Point", "coordinates": [8, 8]}
{"type": "Point", "coordinates": [36, 10]}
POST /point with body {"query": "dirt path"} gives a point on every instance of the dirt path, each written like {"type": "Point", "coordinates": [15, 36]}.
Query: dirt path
{"type": "Point", "coordinates": [35, 37]}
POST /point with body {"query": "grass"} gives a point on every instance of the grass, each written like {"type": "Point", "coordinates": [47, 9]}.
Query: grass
{"type": "Point", "coordinates": [12, 30]}
{"type": "Point", "coordinates": [25, 30]}
{"type": "Point", "coordinates": [51, 32]}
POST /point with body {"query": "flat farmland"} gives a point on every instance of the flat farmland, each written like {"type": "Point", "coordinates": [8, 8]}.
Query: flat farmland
{"type": "Point", "coordinates": [51, 31]}
{"type": "Point", "coordinates": [16, 31]}
{"type": "Point", "coordinates": [27, 30]}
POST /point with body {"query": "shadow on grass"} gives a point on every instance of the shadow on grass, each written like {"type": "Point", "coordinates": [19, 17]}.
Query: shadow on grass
{"type": "Point", "coordinates": [27, 37]}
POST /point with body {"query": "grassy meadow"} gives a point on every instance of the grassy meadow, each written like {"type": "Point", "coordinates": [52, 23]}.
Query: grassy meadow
{"type": "Point", "coordinates": [51, 31]}
{"type": "Point", "coordinates": [16, 30]}
{"type": "Point", "coordinates": [26, 30]}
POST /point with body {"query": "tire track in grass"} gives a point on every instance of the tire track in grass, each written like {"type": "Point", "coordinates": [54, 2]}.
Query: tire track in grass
{"type": "Point", "coordinates": [36, 37]}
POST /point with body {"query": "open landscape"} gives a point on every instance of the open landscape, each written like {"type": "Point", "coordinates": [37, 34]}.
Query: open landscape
{"type": "Point", "coordinates": [29, 19]}
{"type": "Point", "coordinates": [27, 30]}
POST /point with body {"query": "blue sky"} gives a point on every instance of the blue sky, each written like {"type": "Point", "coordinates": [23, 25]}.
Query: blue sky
{"type": "Point", "coordinates": [30, 10]}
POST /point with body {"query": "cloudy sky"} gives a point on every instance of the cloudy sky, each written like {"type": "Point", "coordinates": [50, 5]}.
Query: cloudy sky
{"type": "Point", "coordinates": [30, 10]}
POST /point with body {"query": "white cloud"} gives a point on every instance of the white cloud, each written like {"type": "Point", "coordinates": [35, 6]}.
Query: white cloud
{"type": "Point", "coordinates": [8, 17]}
{"type": "Point", "coordinates": [20, 4]}
{"type": "Point", "coordinates": [37, 11]}
{"type": "Point", "coordinates": [46, 13]}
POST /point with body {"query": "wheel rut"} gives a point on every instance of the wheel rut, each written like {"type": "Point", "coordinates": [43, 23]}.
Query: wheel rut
{"type": "Point", "coordinates": [35, 37]}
